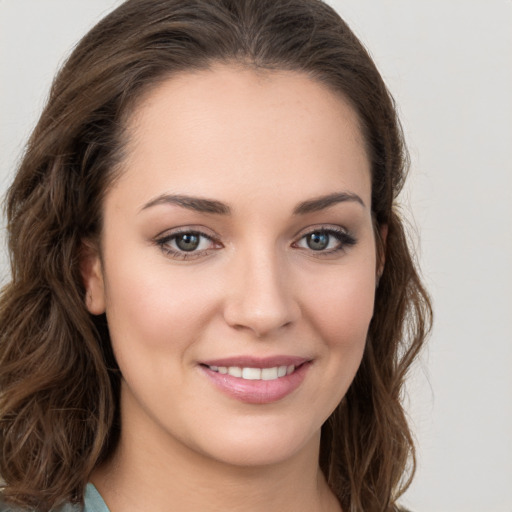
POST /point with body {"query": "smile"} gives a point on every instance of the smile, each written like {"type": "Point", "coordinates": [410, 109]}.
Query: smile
{"type": "Point", "coordinates": [257, 380]}
{"type": "Point", "coordinates": [248, 373]}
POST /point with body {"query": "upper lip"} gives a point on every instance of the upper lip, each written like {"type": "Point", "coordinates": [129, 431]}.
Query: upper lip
{"type": "Point", "coordinates": [257, 362]}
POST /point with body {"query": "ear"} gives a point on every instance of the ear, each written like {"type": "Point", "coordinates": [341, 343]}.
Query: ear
{"type": "Point", "coordinates": [381, 251]}
{"type": "Point", "coordinates": [92, 276]}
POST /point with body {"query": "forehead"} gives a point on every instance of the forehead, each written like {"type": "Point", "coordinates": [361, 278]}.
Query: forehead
{"type": "Point", "coordinates": [225, 129]}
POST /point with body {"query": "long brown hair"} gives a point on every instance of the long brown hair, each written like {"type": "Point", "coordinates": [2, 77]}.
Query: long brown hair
{"type": "Point", "coordinates": [59, 383]}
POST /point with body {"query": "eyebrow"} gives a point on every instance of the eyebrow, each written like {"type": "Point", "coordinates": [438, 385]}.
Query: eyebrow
{"type": "Point", "coordinates": [322, 202]}
{"type": "Point", "coordinates": [197, 204]}
{"type": "Point", "coordinates": [204, 205]}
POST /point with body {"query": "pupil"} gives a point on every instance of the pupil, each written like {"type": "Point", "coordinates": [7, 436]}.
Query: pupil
{"type": "Point", "coordinates": [187, 242]}
{"type": "Point", "coordinates": [318, 241]}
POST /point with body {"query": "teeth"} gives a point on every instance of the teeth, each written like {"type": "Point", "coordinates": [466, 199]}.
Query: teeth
{"type": "Point", "coordinates": [251, 373]}
{"type": "Point", "coordinates": [255, 373]}
{"type": "Point", "coordinates": [269, 373]}
{"type": "Point", "coordinates": [235, 371]}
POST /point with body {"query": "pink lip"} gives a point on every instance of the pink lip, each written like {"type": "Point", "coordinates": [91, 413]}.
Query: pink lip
{"type": "Point", "coordinates": [257, 391]}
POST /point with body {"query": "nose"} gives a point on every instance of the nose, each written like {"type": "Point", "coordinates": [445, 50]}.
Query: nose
{"type": "Point", "coordinates": [260, 297]}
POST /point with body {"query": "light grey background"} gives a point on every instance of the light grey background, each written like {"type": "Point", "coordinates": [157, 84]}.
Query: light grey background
{"type": "Point", "coordinates": [449, 65]}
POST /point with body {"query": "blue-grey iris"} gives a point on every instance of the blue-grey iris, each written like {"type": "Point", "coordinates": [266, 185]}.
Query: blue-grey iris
{"type": "Point", "coordinates": [317, 241]}
{"type": "Point", "coordinates": [188, 241]}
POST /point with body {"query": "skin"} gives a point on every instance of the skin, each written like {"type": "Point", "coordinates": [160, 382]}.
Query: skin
{"type": "Point", "coordinates": [261, 143]}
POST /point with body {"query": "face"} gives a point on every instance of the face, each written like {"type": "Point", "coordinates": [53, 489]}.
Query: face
{"type": "Point", "coordinates": [238, 263]}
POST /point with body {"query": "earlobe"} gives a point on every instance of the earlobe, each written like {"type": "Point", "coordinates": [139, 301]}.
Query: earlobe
{"type": "Point", "coordinates": [92, 276]}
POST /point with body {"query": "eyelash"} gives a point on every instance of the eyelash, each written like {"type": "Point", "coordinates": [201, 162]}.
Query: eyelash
{"type": "Point", "coordinates": [178, 254]}
{"type": "Point", "coordinates": [345, 240]}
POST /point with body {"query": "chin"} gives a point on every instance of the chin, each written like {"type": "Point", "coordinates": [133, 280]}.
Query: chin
{"type": "Point", "coordinates": [261, 445]}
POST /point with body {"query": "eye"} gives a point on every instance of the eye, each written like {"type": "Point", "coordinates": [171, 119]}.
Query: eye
{"type": "Point", "coordinates": [186, 244]}
{"type": "Point", "coordinates": [326, 240]}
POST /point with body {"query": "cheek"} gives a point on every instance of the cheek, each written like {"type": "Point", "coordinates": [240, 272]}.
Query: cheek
{"type": "Point", "coordinates": [342, 307]}
{"type": "Point", "coordinates": [340, 311]}
{"type": "Point", "coordinates": [152, 308]}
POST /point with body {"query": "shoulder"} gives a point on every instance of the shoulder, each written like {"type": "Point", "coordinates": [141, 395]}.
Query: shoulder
{"type": "Point", "coordinates": [67, 507]}
{"type": "Point", "coordinates": [93, 502]}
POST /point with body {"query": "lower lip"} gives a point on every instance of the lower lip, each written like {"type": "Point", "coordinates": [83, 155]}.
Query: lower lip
{"type": "Point", "coordinates": [257, 391]}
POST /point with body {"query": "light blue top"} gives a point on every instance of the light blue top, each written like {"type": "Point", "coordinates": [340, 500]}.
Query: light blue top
{"type": "Point", "coordinates": [93, 502]}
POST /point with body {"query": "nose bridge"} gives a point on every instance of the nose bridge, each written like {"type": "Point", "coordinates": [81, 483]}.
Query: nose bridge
{"type": "Point", "coordinates": [261, 298]}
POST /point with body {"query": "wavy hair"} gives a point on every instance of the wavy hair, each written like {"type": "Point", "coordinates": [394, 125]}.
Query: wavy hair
{"type": "Point", "coordinates": [59, 383]}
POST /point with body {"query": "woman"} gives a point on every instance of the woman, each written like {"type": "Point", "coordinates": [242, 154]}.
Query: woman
{"type": "Point", "coordinates": [213, 305]}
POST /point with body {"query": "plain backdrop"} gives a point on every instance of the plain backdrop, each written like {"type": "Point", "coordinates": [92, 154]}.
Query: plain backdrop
{"type": "Point", "coordinates": [448, 63]}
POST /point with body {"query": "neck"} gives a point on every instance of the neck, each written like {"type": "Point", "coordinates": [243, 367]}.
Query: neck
{"type": "Point", "coordinates": [161, 474]}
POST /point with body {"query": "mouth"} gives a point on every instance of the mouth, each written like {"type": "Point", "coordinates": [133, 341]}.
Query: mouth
{"type": "Point", "coordinates": [257, 381]}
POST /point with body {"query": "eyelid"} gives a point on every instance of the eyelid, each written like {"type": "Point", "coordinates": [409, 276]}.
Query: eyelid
{"type": "Point", "coordinates": [321, 227]}
{"type": "Point", "coordinates": [187, 228]}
